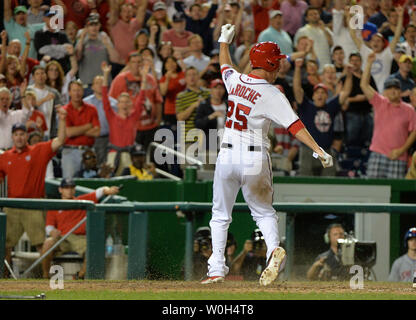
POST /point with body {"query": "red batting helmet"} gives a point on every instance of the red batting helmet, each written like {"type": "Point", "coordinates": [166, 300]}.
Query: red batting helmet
{"type": "Point", "coordinates": [266, 55]}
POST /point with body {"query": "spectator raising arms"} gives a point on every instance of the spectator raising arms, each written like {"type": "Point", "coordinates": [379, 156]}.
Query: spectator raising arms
{"type": "Point", "coordinates": [123, 123]}
{"type": "Point", "coordinates": [124, 26]}
{"type": "Point", "coordinates": [384, 54]}
{"type": "Point", "coordinates": [394, 127]}
{"type": "Point", "coordinates": [25, 168]}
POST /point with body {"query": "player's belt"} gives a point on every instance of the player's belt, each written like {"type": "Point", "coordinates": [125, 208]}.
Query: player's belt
{"type": "Point", "coordinates": [249, 148]}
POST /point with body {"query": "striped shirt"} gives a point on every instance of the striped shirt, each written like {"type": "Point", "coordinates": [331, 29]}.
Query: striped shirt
{"type": "Point", "coordinates": [185, 99]}
{"type": "Point", "coordinates": [284, 139]}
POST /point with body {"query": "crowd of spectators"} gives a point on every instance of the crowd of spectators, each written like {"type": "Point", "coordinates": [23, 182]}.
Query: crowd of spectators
{"type": "Point", "coordinates": [122, 69]}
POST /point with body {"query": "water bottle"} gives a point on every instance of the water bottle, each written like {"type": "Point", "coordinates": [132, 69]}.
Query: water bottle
{"type": "Point", "coordinates": [109, 246]}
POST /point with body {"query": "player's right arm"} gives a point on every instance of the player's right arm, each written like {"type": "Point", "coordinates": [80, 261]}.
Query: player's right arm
{"type": "Point", "coordinates": [226, 38]}
{"type": "Point", "coordinates": [305, 137]}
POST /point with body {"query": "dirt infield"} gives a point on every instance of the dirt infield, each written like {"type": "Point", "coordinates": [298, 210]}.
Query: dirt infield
{"type": "Point", "coordinates": [232, 287]}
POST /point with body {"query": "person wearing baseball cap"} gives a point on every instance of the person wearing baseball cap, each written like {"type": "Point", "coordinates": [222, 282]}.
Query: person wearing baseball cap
{"type": "Point", "coordinates": [177, 35]}
{"type": "Point", "coordinates": [252, 101]}
{"type": "Point", "coordinates": [275, 32]}
{"type": "Point", "coordinates": [403, 268]}
{"type": "Point", "coordinates": [318, 115]}
{"type": "Point", "coordinates": [403, 76]}
{"type": "Point", "coordinates": [16, 24]}
{"type": "Point", "coordinates": [385, 51]}
{"type": "Point", "coordinates": [394, 127]}
{"type": "Point", "coordinates": [139, 168]}
{"type": "Point", "coordinates": [60, 222]}
{"type": "Point", "coordinates": [25, 168]}
{"type": "Point", "coordinates": [159, 21]}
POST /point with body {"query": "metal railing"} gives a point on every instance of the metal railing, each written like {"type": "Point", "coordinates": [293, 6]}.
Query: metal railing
{"type": "Point", "coordinates": [191, 160]}
{"type": "Point", "coordinates": [95, 231]}
{"type": "Point", "coordinates": [138, 217]}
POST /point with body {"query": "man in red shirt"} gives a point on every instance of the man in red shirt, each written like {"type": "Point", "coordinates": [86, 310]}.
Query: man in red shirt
{"type": "Point", "coordinates": [25, 168]}
{"type": "Point", "coordinates": [151, 113]}
{"type": "Point", "coordinates": [82, 127]}
{"type": "Point", "coordinates": [178, 36]}
{"type": "Point", "coordinates": [123, 123]}
{"type": "Point", "coordinates": [60, 222]}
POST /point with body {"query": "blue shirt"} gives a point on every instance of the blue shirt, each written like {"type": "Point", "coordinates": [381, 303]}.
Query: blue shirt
{"type": "Point", "coordinates": [92, 99]}
{"type": "Point", "coordinates": [378, 19]}
{"type": "Point", "coordinates": [282, 38]}
{"type": "Point", "coordinates": [320, 121]}
{"type": "Point", "coordinates": [17, 31]}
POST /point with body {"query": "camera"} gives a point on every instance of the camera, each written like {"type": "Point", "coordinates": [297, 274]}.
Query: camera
{"type": "Point", "coordinates": [354, 252]}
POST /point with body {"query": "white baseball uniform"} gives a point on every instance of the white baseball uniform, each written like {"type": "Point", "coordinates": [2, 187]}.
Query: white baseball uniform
{"type": "Point", "coordinates": [244, 161]}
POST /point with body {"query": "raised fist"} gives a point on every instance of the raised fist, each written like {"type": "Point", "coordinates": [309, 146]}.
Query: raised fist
{"type": "Point", "coordinates": [227, 33]}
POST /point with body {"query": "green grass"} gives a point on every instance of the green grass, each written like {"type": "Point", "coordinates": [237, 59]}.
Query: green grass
{"type": "Point", "coordinates": [192, 290]}
{"type": "Point", "coordinates": [203, 295]}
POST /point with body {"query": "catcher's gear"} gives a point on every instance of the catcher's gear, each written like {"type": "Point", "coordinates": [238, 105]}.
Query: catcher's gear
{"type": "Point", "coordinates": [227, 33]}
{"type": "Point", "coordinates": [266, 55]}
{"type": "Point", "coordinates": [411, 233]}
{"type": "Point", "coordinates": [326, 159]}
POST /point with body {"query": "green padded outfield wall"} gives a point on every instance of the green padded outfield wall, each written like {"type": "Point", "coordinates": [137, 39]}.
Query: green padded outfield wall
{"type": "Point", "coordinates": [166, 246]}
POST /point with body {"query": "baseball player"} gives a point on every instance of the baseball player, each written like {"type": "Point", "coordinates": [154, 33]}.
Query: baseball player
{"type": "Point", "coordinates": [404, 267]}
{"type": "Point", "coordinates": [243, 161]}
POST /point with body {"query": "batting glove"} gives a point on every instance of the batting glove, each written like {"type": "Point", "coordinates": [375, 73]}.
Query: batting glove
{"type": "Point", "coordinates": [227, 33]}
{"type": "Point", "coordinates": [326, 159]}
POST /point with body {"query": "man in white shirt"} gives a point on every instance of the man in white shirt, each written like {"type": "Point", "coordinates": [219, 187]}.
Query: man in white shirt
{"type": "Point", "coordinates": [9, 117]}
{"type": "Point", "coordinates": [197, 59]}
{"type": "Point", "coordinates": [381, 68]}
{"type": "Point", "coordinates": [47, 99]}
{"type": "Point", "coordinates": [322, 37]}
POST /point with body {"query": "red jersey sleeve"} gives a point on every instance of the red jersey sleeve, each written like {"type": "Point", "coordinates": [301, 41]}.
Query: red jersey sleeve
{"type": "Point", "coordinates": [109, 112]}
{"type": "Point", "coordinates": [89, 196]}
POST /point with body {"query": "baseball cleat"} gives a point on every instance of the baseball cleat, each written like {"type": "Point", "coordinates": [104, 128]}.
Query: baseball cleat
{"type": "Point", "coordinates": [213, 279]}
{"type": "Point", "coordinates": [276, 264]}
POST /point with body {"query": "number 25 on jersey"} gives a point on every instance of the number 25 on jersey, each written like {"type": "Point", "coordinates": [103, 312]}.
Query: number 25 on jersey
{"type": "Point", "coordinates": [240, 113]}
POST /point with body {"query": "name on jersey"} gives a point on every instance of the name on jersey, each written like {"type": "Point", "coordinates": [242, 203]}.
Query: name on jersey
{"type": "Point", "coordinates": [245, 93]}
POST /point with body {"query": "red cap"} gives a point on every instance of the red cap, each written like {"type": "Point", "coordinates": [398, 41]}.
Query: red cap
{"type": "Point", "coordinates": [216, 82]}
{"type": "Point", "coordinates": [320, 85]}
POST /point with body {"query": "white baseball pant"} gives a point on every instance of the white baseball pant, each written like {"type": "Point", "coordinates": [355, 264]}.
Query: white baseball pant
{"type": "Point", "coordinates": [253, 174]}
